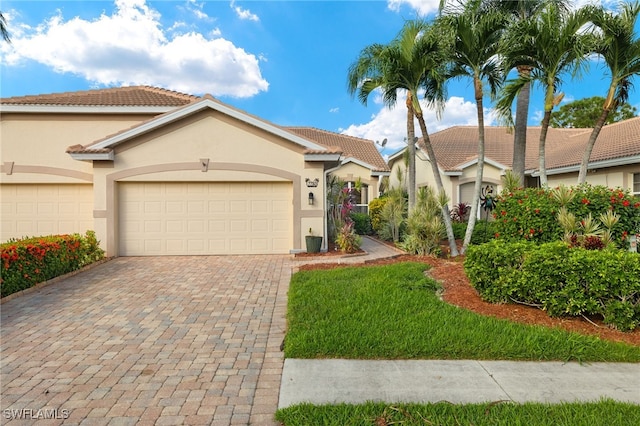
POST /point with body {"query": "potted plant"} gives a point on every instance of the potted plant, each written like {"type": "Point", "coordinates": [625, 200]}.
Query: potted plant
{"type": "Point", "coordinates": [314, 242]}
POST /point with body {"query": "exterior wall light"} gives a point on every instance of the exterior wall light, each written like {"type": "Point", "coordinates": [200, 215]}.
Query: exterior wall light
{"type": "Point", "coordinates": [311, 198]}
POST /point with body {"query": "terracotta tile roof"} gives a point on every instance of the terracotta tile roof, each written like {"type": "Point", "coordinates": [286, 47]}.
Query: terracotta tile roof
{"type": "Point", "coordinates": [361, 149]}
{"type": "Point", "coordinates": [564, 147]}
{"type": "Point", "coordinates": [121, 96]}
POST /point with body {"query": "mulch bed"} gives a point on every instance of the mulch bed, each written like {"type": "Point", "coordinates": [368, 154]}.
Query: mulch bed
{"type": "Point", "coordinates": [457, 291]}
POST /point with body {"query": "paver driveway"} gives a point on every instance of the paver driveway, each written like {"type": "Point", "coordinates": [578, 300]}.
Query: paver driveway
{"type": "Point", "coordinates": [157, 340]}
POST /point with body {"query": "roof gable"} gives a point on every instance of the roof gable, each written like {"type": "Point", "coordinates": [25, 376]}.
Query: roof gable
{"type": "Point", "coordinates": [100, 149]}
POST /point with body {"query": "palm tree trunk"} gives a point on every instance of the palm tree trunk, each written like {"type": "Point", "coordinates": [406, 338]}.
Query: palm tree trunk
{"type": "Point", "coordinates": [520, 133]}
{"type": "Point", "coordinates": [582, 175]}
{"type": "Point", "coordinates": [411, 134]}
{"type": "Point", "coordinates": [541, 148]}
{"type": "Point", "coordinates": [479, 168]}
{"type": "Point", "coordinates": [446, 215]}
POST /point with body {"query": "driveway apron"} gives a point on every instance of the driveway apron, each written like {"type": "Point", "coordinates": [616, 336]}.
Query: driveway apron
{"type": "Point", "coordinates": [149, 340]}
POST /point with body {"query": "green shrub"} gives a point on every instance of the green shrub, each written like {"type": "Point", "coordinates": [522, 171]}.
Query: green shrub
{"type": "Point", "coordinates": [33, 260]}
{"type": "Point", "coordinates": [361, 223]}
{"type": "Point", "coordinates": [532, 213]}
{"type": "Point", "coordinates": [375, 211]}
{"type": "Point", "coordinates": [483, 231]}
{"type": "Point", "coordinates": [559, 279]}
{"type": "Point", "coordinates": [459, 229]}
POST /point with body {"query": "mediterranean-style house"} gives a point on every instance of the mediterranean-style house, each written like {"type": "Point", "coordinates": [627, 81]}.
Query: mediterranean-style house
{"type": "Point", "coordinates": [615, 160]}
{"type": "Point", "coordinates": [156, 172]}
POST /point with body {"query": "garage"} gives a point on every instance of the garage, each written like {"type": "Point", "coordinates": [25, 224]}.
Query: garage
{"type": "Point", "coordinates": [45, 209]}
{"type": "Point", "coordinates": [204, 218]}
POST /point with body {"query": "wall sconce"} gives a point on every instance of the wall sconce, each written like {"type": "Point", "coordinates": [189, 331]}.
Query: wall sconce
{"type": "Point", "coordinates": [311, 198]}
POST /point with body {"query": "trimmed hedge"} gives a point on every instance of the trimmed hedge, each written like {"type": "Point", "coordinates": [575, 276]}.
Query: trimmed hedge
{"type": "Point", "coordinates": [30, 261]}
{"type": "Point", "coordinates": [559, 279]}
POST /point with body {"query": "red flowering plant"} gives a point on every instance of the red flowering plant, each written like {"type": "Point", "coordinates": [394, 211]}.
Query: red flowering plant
{"type": "Point", "coordinates": [532, 213]}
{"type": "Point", "coordinates": [30, 261]}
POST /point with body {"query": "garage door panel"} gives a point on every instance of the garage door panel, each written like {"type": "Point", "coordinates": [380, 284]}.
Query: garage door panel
{"type": "Point", "coordinates": [43, 209]}
{"type": "Point", "coordinates": [205, 218]}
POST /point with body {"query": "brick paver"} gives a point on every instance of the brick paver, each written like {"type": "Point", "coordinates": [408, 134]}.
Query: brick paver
{"type": "Point", "coordinates": [155, 340]}
{"type": "Point", "coordinates": [152, 341]}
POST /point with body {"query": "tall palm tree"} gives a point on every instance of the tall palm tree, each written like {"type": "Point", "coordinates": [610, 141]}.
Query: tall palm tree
{"type": "Point", "coordinates": [521, 11]}
{"type": "Point", "coordinates": [553, 44]}
{"type": "Point", "coordinates": [3, 29]}
{"type": "Point", "coordinates": [409, 63]}
{"type": "Point", "coordinates": [476, 42]}
{"type": "Point", "coordinates": [620, 49]}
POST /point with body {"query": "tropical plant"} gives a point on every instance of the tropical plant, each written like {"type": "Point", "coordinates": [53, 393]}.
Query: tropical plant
{"type": "Point", "coordinates": [3, 29]}
{"type": "Point", "coordinates": [424, 225]}
{"type": "Point", "coordinates": [412, 62]}
{"type": "Point", "coordinates": [338, 205]}
{"type": "Point", "coordinates": [520, 11]}
{"type": "Point", "coordinates": [554, 43]}
{"type": "Point", "coordinates": [347, 239]}
{"type": "Point", "coordinates": [459, 213]}
{"type": "Point", "coordinates": [476, 36]}
{"type": "Point", "coordinates": [620, 49]}
{"type": "Point", "coordinates": [394, 213]}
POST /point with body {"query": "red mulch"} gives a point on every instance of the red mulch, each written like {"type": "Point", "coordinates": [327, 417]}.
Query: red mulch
{"type": "Point", "coordinates": [457, 291]}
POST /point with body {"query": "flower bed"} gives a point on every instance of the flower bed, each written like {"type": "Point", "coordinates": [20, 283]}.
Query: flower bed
{"type": "Point", "coordinates": [30, 261]}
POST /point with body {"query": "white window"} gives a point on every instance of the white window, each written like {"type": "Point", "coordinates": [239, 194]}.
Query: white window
{"type": "Point", "coordinates": [636, 184]}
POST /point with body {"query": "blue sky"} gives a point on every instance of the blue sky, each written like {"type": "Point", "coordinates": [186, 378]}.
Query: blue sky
{"type": "Point", "coordinates": [284, 61]}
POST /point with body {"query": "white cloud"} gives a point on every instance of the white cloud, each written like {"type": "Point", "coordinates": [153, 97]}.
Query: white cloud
{"type": "Point", "coordinates": [130, 48]}
{"type": "Point", "coordinates": [422, 7]}
{"type": "Point", "coordinates": [392, 125]}
{"type": "Point", "coordinates": [244, 13]}
{"type": "Point", "coordinates": [334, 110]}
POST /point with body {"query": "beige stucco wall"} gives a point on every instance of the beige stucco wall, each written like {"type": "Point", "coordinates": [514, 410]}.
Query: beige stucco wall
{"type": "Point", "coordinates": [424, 177]}
{"type": "Point", "coordinates": [234, 150]}
{"type": "Point", "coordinates": [36, 144]}
{"type": "Point", "coordinates": [612, 177]}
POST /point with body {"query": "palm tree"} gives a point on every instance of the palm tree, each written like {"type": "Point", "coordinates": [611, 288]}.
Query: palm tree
{"type": "Point", "coordinates": [521, 11]}
{"type": "Point", "coordinates": [411, 63]}
{"type": "Point", "coordinates": [3, 29]}
{"type": "Point", "coordinates": [621, 52]}
{"type": "Point", "coordinates": [553, 43]}
{"type": "Point", "coordinates": [476, 38]}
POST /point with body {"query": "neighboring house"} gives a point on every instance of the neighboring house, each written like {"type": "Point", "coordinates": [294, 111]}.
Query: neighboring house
{"type": "Point", "coordinates": [615, 160]}
{"type": "Point", "coordinates": [156, 172]}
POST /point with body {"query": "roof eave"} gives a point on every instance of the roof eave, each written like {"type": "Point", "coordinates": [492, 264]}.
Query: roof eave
{"type": "Point", "coordinates": [61, 109]}
{"type": "Point", "coordinates": [623, 161]}
{"type": "Point", "coordinates": [322, 157]}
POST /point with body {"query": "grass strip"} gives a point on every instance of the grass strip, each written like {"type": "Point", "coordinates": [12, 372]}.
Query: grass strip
{"type": "Point", "coordinates": [600, 413]}
{"type": "Point", "coordinates": [393, 312]}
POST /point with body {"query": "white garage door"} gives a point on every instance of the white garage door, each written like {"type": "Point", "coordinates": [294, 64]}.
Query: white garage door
{"type": "Point", "coordinates": [34, 210]}
{"type": "Point", "coordinates": [204, 218]}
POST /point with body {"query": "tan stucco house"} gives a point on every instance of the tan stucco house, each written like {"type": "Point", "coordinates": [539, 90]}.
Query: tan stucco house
{"type": "Point", "coordinates": [615, 160]}
{"type": "Point", "coordinates": [156, 172]}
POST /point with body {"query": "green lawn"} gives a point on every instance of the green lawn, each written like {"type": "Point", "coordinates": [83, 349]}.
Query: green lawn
{"type": "Point", "coordinates": [603, 413]}
{"type": "Point", "coordinates": [392, 312]}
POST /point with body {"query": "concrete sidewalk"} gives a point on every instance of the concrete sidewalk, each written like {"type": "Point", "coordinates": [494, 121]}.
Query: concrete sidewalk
{"type": "Point", "coordinates": [334, 381]}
